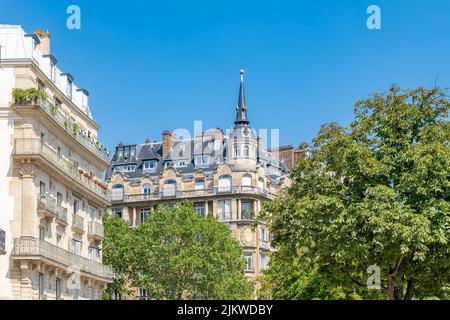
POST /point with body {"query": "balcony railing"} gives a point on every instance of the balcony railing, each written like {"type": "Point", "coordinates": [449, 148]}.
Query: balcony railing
{"type": "Point", "coordinates": [69, 126]}
{"type": "Point", "coordinates": [194, 193]}
{"type": "Point", "coordinates": [96, 229]}
{"type": "Point", "coordinates": [78, 222]}
{"type": "Point", "coordinates": [47, 202]}
{"type": "Point", "coordinates": [61, 214]}
{"type": "Point", "coordinates": [2, 241]}
{"type": "Point", "coordinates": [34, 146]}
{"type": "Point", "coordinates": [32, 247]}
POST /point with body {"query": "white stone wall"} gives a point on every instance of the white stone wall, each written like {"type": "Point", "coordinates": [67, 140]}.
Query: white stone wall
{"type": "Point", "coordinates": [6, 200]}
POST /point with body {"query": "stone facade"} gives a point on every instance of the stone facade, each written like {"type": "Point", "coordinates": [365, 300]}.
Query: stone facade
{"type": "Point", "coordinates": [50, 171]}
{"type": "Point", "coordinates": [228, 175]}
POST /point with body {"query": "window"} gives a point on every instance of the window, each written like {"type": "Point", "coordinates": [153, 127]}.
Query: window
{"type": "Point", "coordinates": [76, 206]}
{"type": "Point", "coordinates": [129, 151]}
{"type": "Point", "coordinates": [170, 187]}
{"type": "Point", "coordinates": [248, 256]}
{"type": "Point", "coordinates": [59, 199]}
{"type": "Point", "coordinates": [52, 71]}
{"type": "Point", "coordinates": [41, 286]}
{"type": "Point", "coordinates": [246, 151]}
{"type": "Point", "coordinates": [117, 192]}
{"type": "Point", "coordinates": [119, 152]}
{"type": "Point", "coordinates": [199, 184]}
{"type": "Point", "coordinates": [200, 209]}
{"type": "Point", "coordinates": [224, 209]}
{"type": "Point", "coordinates": [260, 184]}
{"type": "Point", "coordinates": [262, 235]}
{"type": "Point", "coordinates": [129, 168]}
{"type": "Point", "coordinates": [202, 160]}
{"type": "Point", "coordinates": [246, 182]}
{"type": "Point", "coordinates": [181, 163]}
{"type": "Point", "coordinates": [246, 211]}
{"type": "Point", "coordinates": [59, 151]}
{"type": "Point", "coordinates": [237, 151]}
{"type": "Point", "coordinates": [149, 165]}
{"type": "Point", "coordinates": [42, 189]}
{"type": "Point", "coordinates": [69, 88]}
{"type": "Point", "coordinates": [117, 212]}
{"type": "Point", "coordinates": [42, 233]}
{"type": "Point", "coordinates": [224, 183]}
{"type": "Point", "coordinates": [146, 190]}
{"type": "Point", "coordinates": [92, 213]}
{"type": "Point", "coordinates": [94, 253]}
{"type": "Point", "coordinates": [58, 289]}
{"type": "Point", "coordinates": [76, 247]}
{"type": "Point", "coordinates": [263, 260]}
{"type": "Point", "coordinates": [144, 214]}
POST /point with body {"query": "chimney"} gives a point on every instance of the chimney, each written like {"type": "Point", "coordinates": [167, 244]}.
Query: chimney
{"type": "Point", "coordinates": [148, 141]}
{"type": "Point", "coordinates": [169, 140]}
{"type": "Point", "coordinates": [44, 36]}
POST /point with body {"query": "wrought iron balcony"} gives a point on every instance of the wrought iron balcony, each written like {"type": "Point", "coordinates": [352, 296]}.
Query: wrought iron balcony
{"type": "Point", "coordinates": [34, 147]}
{"type": "Point", "coordinates": [78, 223]}
{"type": "Point", "coordinates": [70, 127]}
{"type": "Point", "coordinates": [46, 206]}
{"type": "Point", "coordinates": [2, 241]}
{"type": "Point", "coordinates": [32, 248]}
{"type": "Point", "coordinates": [198, 193]}
{"type": "Point", "coordinates": [95, 230]}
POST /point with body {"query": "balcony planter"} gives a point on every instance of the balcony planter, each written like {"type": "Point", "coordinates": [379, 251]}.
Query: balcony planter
{"type": "Point", "coordinates": [74, 129]}
{"type": "Point", "coordinates": [28, 95]}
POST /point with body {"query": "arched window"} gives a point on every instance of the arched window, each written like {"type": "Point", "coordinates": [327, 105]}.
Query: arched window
{"type": "Point", "coordinates": [237, 152]}
{"type": "Point", "coordinates": [146, 190]}
{"type": "Point", "coordinates": [170, 187]}
{"type": "Point", "coordinates": [224, 183]}
{"type": "Point", "coordinates": [246, 182]}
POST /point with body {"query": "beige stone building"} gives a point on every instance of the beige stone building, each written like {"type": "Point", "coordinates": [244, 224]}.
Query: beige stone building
{"type": "Point", "coordinates": [51, 167]}
{"type": "Point", "coordinates": [227, 174]}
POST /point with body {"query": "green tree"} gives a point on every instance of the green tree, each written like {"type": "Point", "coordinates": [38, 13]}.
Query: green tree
{"type": "Point", "coordinates": [376, 193]}
{"type": "Point", "coordinates": [116, 252]}
{"type": "Point", "coordinates": [176, 254]}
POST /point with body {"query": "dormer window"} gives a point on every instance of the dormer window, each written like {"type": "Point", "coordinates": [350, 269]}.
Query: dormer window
{"type": "Point", "coordinates": [52, 71]}
{"type": "Point", "coordinates": [130, 168]}
{"type": "Point", "coordinates": [181, 163]}
{"type": "Point", "coordinates": [149, 165]}
{"type": "Point", "coordinates": [69, 88]}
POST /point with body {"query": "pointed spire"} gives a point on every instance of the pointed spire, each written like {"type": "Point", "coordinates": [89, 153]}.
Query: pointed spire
{"type": "Point", "coordinates": [241, 109]}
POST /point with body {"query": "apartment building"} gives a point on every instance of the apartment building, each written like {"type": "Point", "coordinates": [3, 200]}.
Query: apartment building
{"type": "Point", "coordinates": [227, 174]}
{"type": "Point", "coordinates": [51, 167]}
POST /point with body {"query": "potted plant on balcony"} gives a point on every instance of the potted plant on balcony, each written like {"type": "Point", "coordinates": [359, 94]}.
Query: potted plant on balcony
{"type": "Point", "coordinates": [74, 129]}
{"type": "Point", "coordinates": [80, 170]}
{"type": "Point", "coordinates": [28, 95]}
{"type": "Point", "coordinates": [53, 110]}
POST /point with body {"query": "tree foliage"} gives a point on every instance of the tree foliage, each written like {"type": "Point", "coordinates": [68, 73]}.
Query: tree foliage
{"type": "Point", "coordinates": [376, 193]}
{"type": "Point", "coordinates": [176, 254]}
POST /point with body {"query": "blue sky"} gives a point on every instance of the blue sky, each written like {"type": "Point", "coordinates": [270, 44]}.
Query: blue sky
{"type": "Point", "coordinates": [156, 65]}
